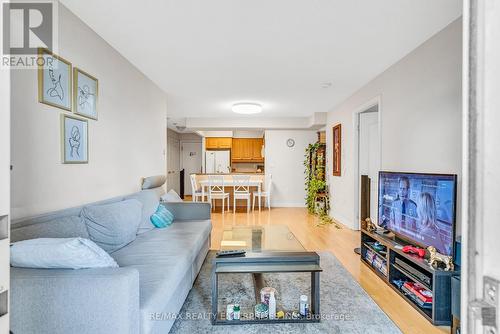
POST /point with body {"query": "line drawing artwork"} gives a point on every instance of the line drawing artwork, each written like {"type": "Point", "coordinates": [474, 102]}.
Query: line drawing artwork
{"type": "Point", "coordinates": [57, 89]}
{"type": "Point", "coordinates": [74, 141]}
{"type": "Point", "coordinates": [85, 96]}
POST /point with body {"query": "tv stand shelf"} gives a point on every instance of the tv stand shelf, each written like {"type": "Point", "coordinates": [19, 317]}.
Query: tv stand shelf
{"type": "Point", "coordinates": [435, 280]}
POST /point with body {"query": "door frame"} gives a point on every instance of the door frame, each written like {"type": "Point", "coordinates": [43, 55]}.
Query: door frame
{"type": "Point", "coordinates": [376, 101]}
{"type": "Point", "coordinates": [480, 24]}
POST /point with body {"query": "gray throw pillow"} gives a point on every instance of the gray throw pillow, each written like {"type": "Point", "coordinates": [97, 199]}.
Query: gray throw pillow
{"type": "Point", "coordinates": [114, 225]}
{"type": "Point", "coordinates": [150, 200]}
{"type": "Point", "coordinates": [171, 197]}
{"type": "Point", "coordinates": [64, 253]}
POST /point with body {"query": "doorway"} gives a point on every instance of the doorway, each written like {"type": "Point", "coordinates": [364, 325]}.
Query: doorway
{"type": "Point", "coordinates": [191, 161]}
{"type": "Point", "coordinates": [173, 165]}
{"type": "Point", "coordinates": [367, 138]}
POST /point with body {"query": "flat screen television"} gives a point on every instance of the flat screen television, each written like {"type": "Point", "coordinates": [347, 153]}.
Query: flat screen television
{"type": "Point", "coordinates": [419, 208]}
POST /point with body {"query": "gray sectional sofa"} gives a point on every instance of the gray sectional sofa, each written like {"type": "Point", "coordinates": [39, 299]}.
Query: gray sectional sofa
{"type": "Point", "coordinates": [156, 273]}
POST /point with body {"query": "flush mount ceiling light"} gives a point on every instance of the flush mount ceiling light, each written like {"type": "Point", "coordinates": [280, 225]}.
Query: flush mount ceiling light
{"type": "Point", "coordinates": [246, 108]}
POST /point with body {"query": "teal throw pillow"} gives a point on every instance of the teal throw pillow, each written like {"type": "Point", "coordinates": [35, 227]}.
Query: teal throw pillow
{"type": "Point", "coordinates": [162, 217]}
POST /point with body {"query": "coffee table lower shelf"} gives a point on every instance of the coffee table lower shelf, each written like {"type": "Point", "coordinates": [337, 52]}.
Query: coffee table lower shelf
{"type": "Point", "coordinates": [272, 262]}
{"type": "Point", "coordinates": [220, 321]}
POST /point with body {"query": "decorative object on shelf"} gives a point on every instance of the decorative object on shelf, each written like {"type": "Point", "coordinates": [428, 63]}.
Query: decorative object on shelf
{"type": "Point", "coordinates": [265, 294]}
{"type": "Point", "coordinates": [280, 315]}
{"type": "Point", "coordinates": [337, 150]}
{"type": "Point", "coordinates": [369, 225]}
{"type": "Point", "coordinates": [414, 250]}
{"type": "Point", "coordinates": [85, 93]}
{"type": "Point", "coordinates": [74, 137]}
{"type": "Point", "coordinates": [303, 305]}
{"type": "Point", "coordinates": [230, 312]}
{"type": "Point", "coordinates": [261, 311]}
{"type": "Point", "coordinates": [295, 315]}
{"type": "Point", "coordinates": [290, 142]}
{"type": "Point", "coordinates": [272, 306]}
{"type": "Point", "coordinates": [436, 258]}
{"type": "Point", "coordinates": [54, 80]}
{"type": "Point", "coordinates": [236, 312]}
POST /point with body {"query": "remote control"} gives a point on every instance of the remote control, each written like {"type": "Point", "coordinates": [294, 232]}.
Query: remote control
{"type": "Point", "coordinates": [230, 253]}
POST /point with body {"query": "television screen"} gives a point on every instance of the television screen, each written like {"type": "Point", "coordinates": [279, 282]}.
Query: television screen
{"type": "Point", "coordinates": [419, 207]}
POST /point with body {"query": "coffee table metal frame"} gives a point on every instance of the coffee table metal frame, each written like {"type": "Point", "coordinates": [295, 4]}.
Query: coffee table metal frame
{"type": "Point", "coordinates": [268, 262]}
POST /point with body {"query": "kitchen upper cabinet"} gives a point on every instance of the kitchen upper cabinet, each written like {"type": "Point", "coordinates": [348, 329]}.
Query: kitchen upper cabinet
{"type": "Point", "coordinates": [247, 150]}
{"type": "Point", "coordinates": [212, 143]}
{"type": "Point", "coordinates": [257, 149]}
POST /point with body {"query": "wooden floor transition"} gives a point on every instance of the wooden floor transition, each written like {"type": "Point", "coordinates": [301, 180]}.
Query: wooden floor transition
{"type": "Point", "coordinates": [341, 243]}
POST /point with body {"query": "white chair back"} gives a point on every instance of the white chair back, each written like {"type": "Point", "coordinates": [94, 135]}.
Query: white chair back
{"type": "Point", "coordinates": [194, 188]}
{"type": "Point", "coordinates": [215, 184]}
{"type": "Point", "coordinates": [241, 184]}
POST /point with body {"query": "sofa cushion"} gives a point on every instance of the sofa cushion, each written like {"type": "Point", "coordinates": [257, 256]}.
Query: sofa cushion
{"type": "Point", "coordinates": [171, 197]}
{"type": "Point", "coordinates": [152, 182]}
{"type": "Point", "coordinates": [150, 200]}
{"type": "Point", "coordinates": [114, 225]}
{"type": "Point", "coordinates": [60, 227]}
{"type": "Point", "coordinates": [162, 257]}
{"type": "Point", "coordinates": [64, 253]}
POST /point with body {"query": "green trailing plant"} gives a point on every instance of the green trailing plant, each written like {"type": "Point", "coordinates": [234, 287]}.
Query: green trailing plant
{"type": "Point", "coordinates": [314, 178]}
{"type": "Point", "coordinates": [325, 219]}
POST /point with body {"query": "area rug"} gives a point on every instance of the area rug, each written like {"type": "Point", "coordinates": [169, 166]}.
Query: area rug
{"type": "Point", "coordinates": [345, 306]}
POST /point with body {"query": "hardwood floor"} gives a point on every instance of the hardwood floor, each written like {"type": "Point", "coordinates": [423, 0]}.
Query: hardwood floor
{"type": "Point", "coordinates": [341, 243]}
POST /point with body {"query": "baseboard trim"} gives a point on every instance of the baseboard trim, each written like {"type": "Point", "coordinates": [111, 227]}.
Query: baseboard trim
{"type": "Point", "coordinates": [288, 205]}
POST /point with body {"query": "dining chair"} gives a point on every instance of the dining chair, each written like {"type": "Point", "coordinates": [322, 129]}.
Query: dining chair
{"type": "Point", "coordinates": [216, 190]}
{"type": "Point", "coordinates": [196, 191]}
{"type": "Point", "coordinates": [266, 192]}
{"type": "Point", "coordinates": [241, 190]}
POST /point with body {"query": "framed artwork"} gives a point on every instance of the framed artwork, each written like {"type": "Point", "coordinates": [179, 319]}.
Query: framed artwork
{"type": "Point", "coordinates": [75, 140]}
{"type": "Point", "coordinates": [337, 150]}
{"type": "Point", "coordinates": [54, 80]}
{"type": "Point", "coordinates": [85, 92]}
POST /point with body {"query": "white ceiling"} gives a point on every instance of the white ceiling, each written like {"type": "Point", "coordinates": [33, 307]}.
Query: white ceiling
{"type": "Point", "coordinates": [209, 54]}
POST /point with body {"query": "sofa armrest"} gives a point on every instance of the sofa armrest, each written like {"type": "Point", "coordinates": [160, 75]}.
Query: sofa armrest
{"type": "Point", "coordinates": [189, 210]}
{"type": "Point", "coordinates": [103, 300]}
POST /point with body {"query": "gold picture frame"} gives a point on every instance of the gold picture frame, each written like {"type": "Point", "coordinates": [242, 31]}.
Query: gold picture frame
{"type": "Point", "coordinates": [337, 150]}
{"type": "Point", "coordinates": [85, 94]}
{"type": "Point", "coordinates": [74, 141]}
{"type": "Point", "coordinates": [54, 83]}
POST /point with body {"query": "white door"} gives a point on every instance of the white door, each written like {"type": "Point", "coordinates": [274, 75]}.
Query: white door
{"type": "Point", "coordinates": [369, 155]}
{"type": "Point", "coordinates": [190, 162]}
{"type": "Point", "coordinates": [481, 152]}
{"type": "Point", "coordinates": [173, 164]}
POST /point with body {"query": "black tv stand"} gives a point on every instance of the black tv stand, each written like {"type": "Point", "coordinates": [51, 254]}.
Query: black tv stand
{"type": "Point", "coordinates": [392, 264]}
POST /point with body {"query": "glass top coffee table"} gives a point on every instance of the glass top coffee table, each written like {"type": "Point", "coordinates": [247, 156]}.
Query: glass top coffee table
{"type": "Point", "coordinates": [269, 249]}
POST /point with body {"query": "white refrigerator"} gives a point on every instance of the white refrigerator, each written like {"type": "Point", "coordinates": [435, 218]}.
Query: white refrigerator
{"type": "Point", "coordinates": [218, 161]}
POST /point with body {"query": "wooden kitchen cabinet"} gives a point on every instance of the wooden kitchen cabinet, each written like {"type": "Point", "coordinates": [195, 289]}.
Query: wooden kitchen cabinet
{"type": "Point", "coordinates": [247, 150]}
{"type": "Point", "coordinates": [214, 143]}
{"type": "Point", "coordinates": [257, 149]}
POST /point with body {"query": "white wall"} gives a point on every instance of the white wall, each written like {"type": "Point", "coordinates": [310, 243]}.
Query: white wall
{"type": "Point", "coordinates": [126, 143]}
{"type": "Point", "coordinates": [286, 165]}
{"type": "Point", "coordinates": [420, 118]}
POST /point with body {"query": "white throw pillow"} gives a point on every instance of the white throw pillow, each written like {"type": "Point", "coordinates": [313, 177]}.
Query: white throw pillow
{"type": "Point", "coordinates": [171, 197]}
{"type": "Point", "coordinates": [68, 253]}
